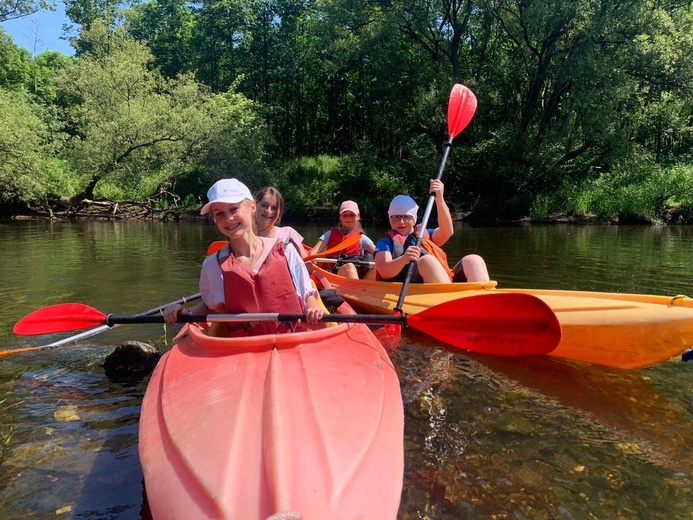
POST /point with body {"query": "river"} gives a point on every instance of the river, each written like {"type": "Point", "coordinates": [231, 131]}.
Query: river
{"type": "Point", "coordinates": [485, 437]}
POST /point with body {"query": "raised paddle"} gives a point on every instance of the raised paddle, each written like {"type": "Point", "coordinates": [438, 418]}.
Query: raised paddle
{"type": "Point", "coordinates": [348, 242]}
{"type": "Point", "coordinates": [95, 330]}
{"type": "Point", "coordinates": [508, 324]}
{"type": "Point", "coordinates": [461, 108]}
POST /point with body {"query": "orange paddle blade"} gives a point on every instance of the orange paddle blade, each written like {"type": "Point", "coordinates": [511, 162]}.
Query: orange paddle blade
{"type": "Point", "coordinates": [216, 246]}
{"type": "Point", "coordinates": [59, 318]}
{"type": "Point", "coordinates": [522, 325]}
{"type": "Point", "coordinates": [347, 243]}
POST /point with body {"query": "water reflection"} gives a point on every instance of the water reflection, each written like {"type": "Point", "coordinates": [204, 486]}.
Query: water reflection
{"type": "Point", "coordinates": [495, 448]}
{"type": "Point", "coordinates": [485, 437]}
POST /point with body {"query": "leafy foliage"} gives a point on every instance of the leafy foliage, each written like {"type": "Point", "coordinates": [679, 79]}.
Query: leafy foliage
{"type": "Point", "coordinates": [167, 96]}
{"type": "Point", "coordinates": [645, 193]}
{"type": "Point", "coordinates": [138, 130]}
{"type": "Point", "coordinates": [21, 160]}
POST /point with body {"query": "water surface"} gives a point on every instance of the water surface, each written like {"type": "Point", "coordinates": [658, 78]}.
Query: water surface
{"type": "Point", "coordinates": [484, 437]}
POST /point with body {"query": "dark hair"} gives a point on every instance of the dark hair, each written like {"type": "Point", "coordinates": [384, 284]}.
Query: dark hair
{"type": "Point", "coordinates": [271, 190]}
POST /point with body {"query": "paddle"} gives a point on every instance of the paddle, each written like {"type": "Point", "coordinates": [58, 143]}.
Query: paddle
{"type": "Point", "coordinates": [348, 242]}
{"type": "Point", "coordinates": [216, 246]}
{"type": "Point", "coordinates": [219, 244]}
{"type": "Point", "coordinates": [96, 330]}
{"type": "Point", "coordinates": [337, 260]}
{"type": "Point", "coordinates": [508, 324]}
{"type": "Point", "coordinates": [461, 108]}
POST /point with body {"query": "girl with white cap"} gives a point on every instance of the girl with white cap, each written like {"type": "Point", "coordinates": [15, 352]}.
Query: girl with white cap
{"type": "Point", "coordinates": [362, 251]}
{"type": "Point", "coordinates": [251, 274]}
{"type": "Point", "coordinates": [394, 252]}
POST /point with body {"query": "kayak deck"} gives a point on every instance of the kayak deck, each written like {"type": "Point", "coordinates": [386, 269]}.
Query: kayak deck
{"type": "Point", "coordinates": [628, 331]}
{"type": "Point", "coordinates": [308, 422]}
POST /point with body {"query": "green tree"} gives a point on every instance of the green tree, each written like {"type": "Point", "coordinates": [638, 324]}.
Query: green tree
{"type": "Point", "coordinates": [13, 9]}
{"type": "Point", "coordinates": [167, 26]}
{"type": "Point", "coordinates": [22, 142]}
{"type": "Point", "coordinates": [139, 131]}
{"type": "Point", "coordinates": [15, 63]}
{"type": "Point", "coordinates": [135, 126]}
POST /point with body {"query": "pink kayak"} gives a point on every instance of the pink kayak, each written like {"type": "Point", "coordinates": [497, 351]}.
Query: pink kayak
{"type": "Point", "coordinates": [304, 425]}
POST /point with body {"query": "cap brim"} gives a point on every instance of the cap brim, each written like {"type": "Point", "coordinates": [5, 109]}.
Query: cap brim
{"type": "Point", "coordinates": [223, 200]}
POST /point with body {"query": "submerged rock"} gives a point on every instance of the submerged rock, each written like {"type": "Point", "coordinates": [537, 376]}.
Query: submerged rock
{"type": "Point", "coordinates": [131, 362]}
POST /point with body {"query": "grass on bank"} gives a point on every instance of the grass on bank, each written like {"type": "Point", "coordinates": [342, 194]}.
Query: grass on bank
{"type": "Point", "coordinates": [651, 193]}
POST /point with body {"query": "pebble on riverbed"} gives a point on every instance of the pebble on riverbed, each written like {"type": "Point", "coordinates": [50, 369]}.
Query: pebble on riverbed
{"type": "Point", "coordinates": [131, 362]}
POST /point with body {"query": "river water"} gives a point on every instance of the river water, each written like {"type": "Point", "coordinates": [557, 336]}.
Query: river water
{"type": "Point", "coordinates": [484, 437]}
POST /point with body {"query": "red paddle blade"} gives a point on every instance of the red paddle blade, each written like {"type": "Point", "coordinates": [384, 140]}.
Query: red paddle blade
{"type": "Point", "coordinates": [522, 325]}
{"type": "Point", "coordinates": [59, 318]}
{"type": "Point", "coordinates": [461, 108]}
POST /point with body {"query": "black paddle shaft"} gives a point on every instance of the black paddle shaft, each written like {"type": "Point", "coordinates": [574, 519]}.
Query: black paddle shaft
{"type": "Point", "coordinates": [424, 222]}
{"type": "Point", "coordinates": [242, 318]}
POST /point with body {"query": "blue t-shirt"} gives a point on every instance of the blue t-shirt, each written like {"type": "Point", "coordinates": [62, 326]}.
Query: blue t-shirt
{"type": "Point", "coordinates": [387, 244]}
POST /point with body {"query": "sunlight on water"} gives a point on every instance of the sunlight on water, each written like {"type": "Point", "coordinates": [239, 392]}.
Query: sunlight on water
{"type": "Point", "coordinates": [538, 438]}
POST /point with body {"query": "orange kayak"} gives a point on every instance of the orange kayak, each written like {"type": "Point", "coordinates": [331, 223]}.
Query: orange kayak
{"type": "Point", "coordinates": [627, 331]}
{"type": "Point", "coordinates": [308, 423]}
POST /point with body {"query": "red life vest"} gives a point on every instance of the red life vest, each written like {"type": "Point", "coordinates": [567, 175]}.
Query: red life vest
{"type": "Point", "coordinates": [337, 238]}
{"type": "Point", "coordinates": [429, 246]}
{"type": "Point", "coordinates": [271, 290]}
{"type": "Point", "coordinates": [334, 240]}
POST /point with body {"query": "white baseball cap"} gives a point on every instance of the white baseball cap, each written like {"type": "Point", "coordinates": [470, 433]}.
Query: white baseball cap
{"type": "Point", "coordinates": [403, 205]}
{"type": "Point", "coordinates": [229, 191]}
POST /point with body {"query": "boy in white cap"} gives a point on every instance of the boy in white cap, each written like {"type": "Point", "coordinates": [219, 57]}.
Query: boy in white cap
{"type": "Point", "coordinates": [362, 251]}
{"type": "Point", "coordinates": [251, 274]}
{"type": "Point", "coordinates": [394, 252]}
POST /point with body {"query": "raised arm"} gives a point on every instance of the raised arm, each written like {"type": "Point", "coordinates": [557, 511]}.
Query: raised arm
{"type": "Point", "coordinates": [445, 228]}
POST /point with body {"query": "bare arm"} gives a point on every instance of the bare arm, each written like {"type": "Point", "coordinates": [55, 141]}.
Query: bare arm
{"type": "Point", "coordinates": [320, 246]}
{"type": "Point", "coordinates": [389, 268]}
{"type": "Point", "coordinates": [445, 228]}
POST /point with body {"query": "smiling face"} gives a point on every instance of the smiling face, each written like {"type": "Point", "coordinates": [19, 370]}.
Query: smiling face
{"type": "Point", "coordinates": [348, 220]}
{"type": "Point", "coordinates": [402, 224]}
{"type": "Point", "coordinates": [268, 212]}
{"type": "Point", "coordinates": [234, 220]}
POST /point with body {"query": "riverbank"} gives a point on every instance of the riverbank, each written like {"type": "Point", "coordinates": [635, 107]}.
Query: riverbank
{"type": "Point", "coordinates": [129, 210]}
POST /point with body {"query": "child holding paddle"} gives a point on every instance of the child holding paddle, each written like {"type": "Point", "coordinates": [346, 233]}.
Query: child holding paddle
{"type": "Point", "coordinates": [252, 274]}
{"type": "Point", "coordinates": [362, 251]}
{"type": "Point", "coordinates": [394, 252]}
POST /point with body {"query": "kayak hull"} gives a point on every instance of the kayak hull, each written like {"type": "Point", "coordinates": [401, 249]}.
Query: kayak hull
{"type": "Point", "coordinates": [309, 422]}
{"type": "Point", "coordinates": [628, 331]}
